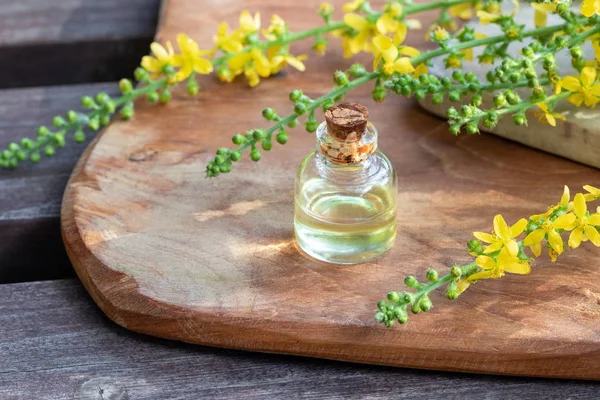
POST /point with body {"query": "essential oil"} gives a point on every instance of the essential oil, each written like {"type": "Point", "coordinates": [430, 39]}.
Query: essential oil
{"type": "Point", "coordinates": [346, 192]}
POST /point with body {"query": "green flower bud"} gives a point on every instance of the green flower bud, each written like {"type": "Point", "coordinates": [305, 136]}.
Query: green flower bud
{"type": "Point", "coordinates": [357, 70]}
{"type": "Point", "coordinates": [452, 113]}
{"type": "Point", "coordinates": [415, 308]}
{"type": "Point", "coordinates": [454, 129]}
{"type": "Point", "coordinates": [454, 96]}
{"type": "Point", "coordinates": [340, 78]}
{"type": "Point", "coordinates": [382, 305]}
{"type": "Point", "coordinates": [94, 123]}
{"type": "Point", "coordinates": [499, 100]}
{"type": "Point", "coordinates": [35, 157]}
{"type": "Point", "coordinates": [455, 271]}
{"type": "Point", "coordinates": [79, 136]}
{"type": "Point", "coordinates": [476, 100]}
{"type": "Point", "coordinates": [432, 275]}
{"type": "Point", "coordinates": [466, 111]}
{"type": "Point", "coordinates": [327, 104]}
{"type": "Point", "coordinates": [71, 116]}
{"type": "Point", "coordinates": [490, 76]}
{"type": "Point", "coordinates": [254, 155]}
{"type": "Point", "coordinates": [293, 123]}
{"type": "Point", "coordinates": [452, 294]}
{"type": "Point", "coordinates": [562, 9]}
{"type": "Point", "coordinates": [238, 139]}
{"type": "Point", "coordinates": [311, 126]}
{"type": "Point", "coordinates": [424, 79]}
{"type": "Point", "coordinates": [235, 155]}
{"type": "Point", "coordinates": [59, 139]}
{"type": "Point", "coordinates": [102, 97]}
{"type": "Point", "coordinates": [475, 246]}
{"type": "Point", "coordinates": [225, 168]}
{"type": "Point", "coordinates": [405, 91]}
{"type": "Point", "coordinates": [192, 89]}
{"type": "Point", "coordinates": [437, 98]}
{"type": "Point", "coordinates": [222, 151]}
{"type": "Point", "coordinates": [282, 137]}
{"type": "Point", "coordinates": [269, 114]}
{"type": "Point", "coordinates": [219, 160]}
{"type": "Point", "coordinates": [300, 108]}
{"type": "Point", "coordinates": [152, 97]}
{"type": "Point", "coordinates": [258, 134]}
{"type": "Point", "coordinates": [457, 76]}
{"type": "Point", "coordinates": [49, 150]}
{"type": "Point", "coordinates": [515, 77]}
{"type": "Point", "coordinates": [511, 97]}
{"type": "Point", "coordinates": [27, 143]}
{"type": "Point", "coordinates": [165, 96]}
{"type": "Point", "coordinates": [393, 296]}
{"type": "Point", "coordinates": [379, 316]}
{"type": "Point", "coordinates": [104, 120]}
{"type": "Point", "coordinates": [519, 120]}
{"type": "Point", "coordinates": [140, 74]}
{"type": "Point", "coordinates": [13, 147]}
{"type": "Point", "coordinates": [578, 63]}
{"type": "Point", "coordinates": [295, 95]}
{"type": "Point", "coordinates": [43, 131]}
{"type": "Point", "coordinates": [21, 155]}
{"type": "Point", "coordinates": [127, 113]}
{"type": "Point", "coordinates": [446, 82]}
{"type": "Point", "coordinates": [125, 85]}
{"type": "Point", "coordinates": [88, 102]}
{"type": "Point", "coordinates": [411, 282]}
{"type": "Point", "coordinates": [425, 304]}
{"type": "Point", "coordinates": [403, 318]}
{"type": "Point", "coordinates": [576, 52]}
{"type": "Point", "coordinates": [419, 94]}
{"type": "Point", "coordinates": [267, 145]}
{"type": "Point", "coordinates": [59, 121]}
{"type": "Point", "coordinates": [470, 77]}
{"type": "Point", "coordinates": [471, 128]}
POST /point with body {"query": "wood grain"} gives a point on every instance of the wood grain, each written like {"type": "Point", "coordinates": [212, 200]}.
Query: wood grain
{"type": "Point", "coordinates": [79, 353]}
{"type": "Point", "coordinates": [53, 42]}
{"type": "Point", "coordinates": [30, 196]}
{"type": "Point", "coordinates": [166, 252]}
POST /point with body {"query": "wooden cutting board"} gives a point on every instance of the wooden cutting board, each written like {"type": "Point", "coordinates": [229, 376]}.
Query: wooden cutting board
{"type": "Point", "coordinates": [166, 252]}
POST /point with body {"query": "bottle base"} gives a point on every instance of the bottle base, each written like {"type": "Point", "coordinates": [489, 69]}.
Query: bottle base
{"type": "Point", "coordinates": [342, 249]}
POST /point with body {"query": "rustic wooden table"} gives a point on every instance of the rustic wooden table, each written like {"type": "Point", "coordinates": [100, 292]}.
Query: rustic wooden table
{"type": "Point", "coordinates": [54, 341]}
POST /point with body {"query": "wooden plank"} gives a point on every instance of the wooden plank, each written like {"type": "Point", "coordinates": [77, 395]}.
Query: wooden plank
{"type": "Point", "coordinates": [56, 344]}
{"type": "Point", "coordinates": [30, 196]}
{"type": "Point", "coordinates": [55, 42]}
{"type": "Point", "coordinates": [167, 252]}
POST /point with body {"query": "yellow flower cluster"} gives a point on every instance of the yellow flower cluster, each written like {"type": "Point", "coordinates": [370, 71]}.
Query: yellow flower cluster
{"type": "Point", "coordinates": [503, 251]}
{"type": "Point", "coordinates": [243, 52]}
{"type": "Point", "coordinates": [381, 36]}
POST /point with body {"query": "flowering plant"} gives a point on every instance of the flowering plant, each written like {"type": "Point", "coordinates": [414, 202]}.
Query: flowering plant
{"type": "Point", "coordinates": [397, 68]}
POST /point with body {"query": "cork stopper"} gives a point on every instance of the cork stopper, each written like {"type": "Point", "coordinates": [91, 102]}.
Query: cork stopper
{"type": "Point", "coordinates": [347, 122]}
{"type": "Point", "coordinates": [347, 137]}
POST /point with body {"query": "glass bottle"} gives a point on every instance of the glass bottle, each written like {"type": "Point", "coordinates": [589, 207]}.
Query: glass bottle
{"type": "Point", "coordinates": [345, 191]}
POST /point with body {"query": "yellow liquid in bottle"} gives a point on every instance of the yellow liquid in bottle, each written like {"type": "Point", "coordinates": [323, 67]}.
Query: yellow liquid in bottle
{"type": "Point", "coordinates": [345, 227]}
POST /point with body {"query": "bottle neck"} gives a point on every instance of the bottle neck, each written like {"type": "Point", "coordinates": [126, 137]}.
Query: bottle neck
{"type": "Point", "coordinates": [353, 149]}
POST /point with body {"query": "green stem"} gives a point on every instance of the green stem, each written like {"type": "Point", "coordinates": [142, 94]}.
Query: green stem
{"type": "Point", "coordinates": [467, 270]}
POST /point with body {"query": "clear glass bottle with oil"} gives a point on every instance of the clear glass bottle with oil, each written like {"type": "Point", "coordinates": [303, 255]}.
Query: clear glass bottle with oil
{"type": "Point", "coordinates": [345, 191]}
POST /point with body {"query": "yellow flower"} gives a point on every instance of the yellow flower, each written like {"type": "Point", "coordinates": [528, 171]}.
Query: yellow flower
{"type": "Point", "coordinates": [463, 11]}
{"type": "Point", "coordinates": [590, 7]}
{"type": "Point", "coordinates": [387, 51]}
{"type": "Point", "coordinates": [584, 88]}
{"type": "Point", "coordinates": [502, 236]}
{"type": "Point", "coordinates": [320, 47]}
{"type": "Point", "coordinates": [582, 225]}
{"type": "Point", "coordinates": [462, 285]}
{"type": "Point", "coordinates": [360, 41]}
{"type": "Point", "coordinates": [248, 23]}
{"type": "Point", "coordinates": [564, 202]}
{"type": "Point", "coordinates": [420, 70]}
{"type": "Point", "coordinates": [254, 64]}
{"type": "Point", "coordinates": [541, 10]}
{"type": "Point", "coordinates": [353, 5]}
{"type": "Point", "coordinates": [281, 60]}
{"type": "Point", "coordinates": [535, 238]}
{"type": "Point", "coordinates": [191, 58]}
{"type": "Point", "coordinates": [162, 58]}
{"type": "Point", "coordinates": [495, 268]}
{"type": "Point", "coordinates": [388, 22]}
{"type": "Point", "coordinates": [486, 17]}
{"type": "Point", "coordinates": [325, 9]}
{"type": "Point", "coordinates": [230, 43]}
{"type": "Point", "coordinates": [548, 116]}
{"type": "Point", "coordinates": [593, 193]}
{"type": "Point", "coordinates": [440, 34]}
{"type": "Point", "coordinates": [276, 29]}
